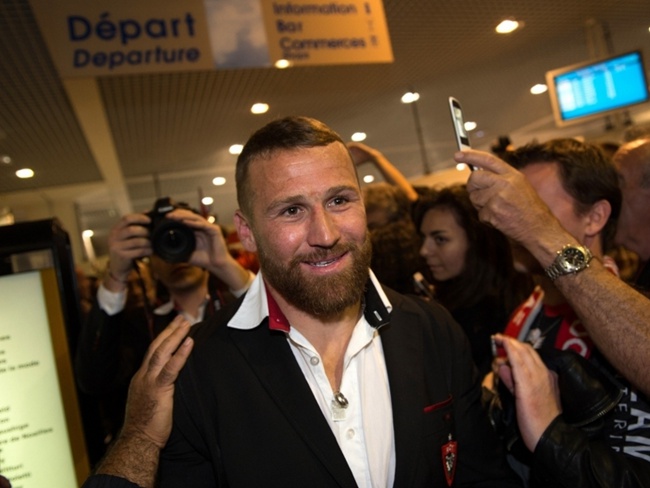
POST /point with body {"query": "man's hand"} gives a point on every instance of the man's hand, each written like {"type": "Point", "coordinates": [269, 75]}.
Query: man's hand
{"type": "Point", "coordinates": [505, 199]}
{"type": "Point", "coordinates": [211, 250]}
{"type": "Point", "coordinates": [148, 419]}
{"type": "Point", "coordinates": [535, 387]}
{"type": "Point", "coordinates": [128, 240]}
{"type": "Point", "coordinates": [151, 393]}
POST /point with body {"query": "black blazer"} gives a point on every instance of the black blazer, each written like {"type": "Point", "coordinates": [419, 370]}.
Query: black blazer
{"type": "Point", "coordinates": [244, 415]}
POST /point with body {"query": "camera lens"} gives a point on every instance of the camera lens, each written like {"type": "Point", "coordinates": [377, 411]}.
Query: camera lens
{"type": "Point", "coordinates": [173, 241]}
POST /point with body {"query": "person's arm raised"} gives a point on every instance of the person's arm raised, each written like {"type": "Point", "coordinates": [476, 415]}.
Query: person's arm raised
{"type": "Point", "coordinates": [362, 153]}
{"type": "Point", "coordinates": [616, 316]}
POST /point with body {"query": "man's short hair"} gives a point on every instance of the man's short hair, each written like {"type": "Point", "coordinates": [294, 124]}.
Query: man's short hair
{"type": "Point", "coordinates": [585, 172]}
{"type": "Point", "coordinates": [293, 132]}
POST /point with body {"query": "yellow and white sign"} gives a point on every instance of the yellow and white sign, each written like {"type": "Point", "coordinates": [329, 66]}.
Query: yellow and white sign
{"type": "Point", "coordinates": [310, 32]}
{"type": "Point", "coordinates": [115, 37]}
{"type": "Point", "coordinates": [124, 36]}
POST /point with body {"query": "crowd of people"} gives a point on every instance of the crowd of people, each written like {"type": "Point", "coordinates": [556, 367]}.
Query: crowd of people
{"type": "Point", "coordinates": [472, 335]}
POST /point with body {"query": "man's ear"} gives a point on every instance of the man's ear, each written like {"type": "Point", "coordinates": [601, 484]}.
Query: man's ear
{"type": "Point", "coordinates": [597, 217]}
{"type": "Point", "coordinates": [245, 232]}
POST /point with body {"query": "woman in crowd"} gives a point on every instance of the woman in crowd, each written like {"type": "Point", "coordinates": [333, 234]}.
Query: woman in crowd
{"type": "Point", "coordinates": [471, 266]}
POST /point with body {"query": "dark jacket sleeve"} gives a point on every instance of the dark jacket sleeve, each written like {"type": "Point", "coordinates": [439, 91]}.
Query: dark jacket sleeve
{"type": "Point", "coordinates": [566, 457]}
{"type": "Point", "coordinates": [107, 481]}
{"type": "Point", "coordinates": [109, 351]}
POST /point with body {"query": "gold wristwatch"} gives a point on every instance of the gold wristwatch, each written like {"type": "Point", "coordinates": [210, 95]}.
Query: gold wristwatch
{"type": "Point", "coordinates": [570, 259]}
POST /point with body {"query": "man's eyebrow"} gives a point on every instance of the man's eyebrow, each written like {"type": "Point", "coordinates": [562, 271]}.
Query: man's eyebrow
{"type": "Point", "coordinates": [298, 198]}
{"type": "Point", "coordinates": [288, 200]}
{"type": "Point", "coordinates": [343, 188]}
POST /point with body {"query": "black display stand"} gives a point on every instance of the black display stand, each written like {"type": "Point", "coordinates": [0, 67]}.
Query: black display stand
{"type": "Point", "coordinates": [41, 410]}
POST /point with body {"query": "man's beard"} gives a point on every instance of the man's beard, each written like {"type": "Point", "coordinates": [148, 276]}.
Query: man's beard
{"type": "Point", "coordinates": [320, 296]}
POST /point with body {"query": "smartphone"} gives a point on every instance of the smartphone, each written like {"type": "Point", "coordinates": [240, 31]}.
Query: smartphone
{"type": "Point", "coordinates": [462, 139]}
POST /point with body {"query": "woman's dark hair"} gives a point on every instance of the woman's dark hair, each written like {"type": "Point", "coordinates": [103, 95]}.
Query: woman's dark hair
{"type": "Point", "coordinates": [396, 254]}
{"type": "Point", "coordinates": [489, 269]}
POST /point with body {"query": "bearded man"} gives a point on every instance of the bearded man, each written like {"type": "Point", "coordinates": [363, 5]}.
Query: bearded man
{"type": "Point", "coordinates": [319, 376]}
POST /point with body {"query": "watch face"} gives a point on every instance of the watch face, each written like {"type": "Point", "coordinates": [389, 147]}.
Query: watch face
{"type": "Point", "coordinates": [573, 259]}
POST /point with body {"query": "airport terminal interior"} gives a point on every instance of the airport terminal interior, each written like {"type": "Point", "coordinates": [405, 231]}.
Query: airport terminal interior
{"type": "Point", "coordinates": [107, 106]}
{"type": "Point", "coordinates": [103, 146]}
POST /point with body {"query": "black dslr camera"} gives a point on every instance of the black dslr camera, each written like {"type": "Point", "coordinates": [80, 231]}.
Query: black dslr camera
{"type": "Point", "coordinates": [172, 241]}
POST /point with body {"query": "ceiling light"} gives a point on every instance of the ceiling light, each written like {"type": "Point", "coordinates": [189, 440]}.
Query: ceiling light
{"type": "Point", "coordinates": [87, 234]}
{"type": "Point", "coordinates": [469, 125]}
{"type": "Point", "coordinates": [461, 166]}
{"type": "Point", "coordinates": [260, 108]}
{"type": "Point", "coordinates": [410, 97]}
{"type": "Point", "coordinates": [211, 219]}
{"type": "Point", "coordinates": [24, 173]}
{"type": "Point", "coordinates": [359, 136]}
{"type": "Point", "coordinates": [282, 63]}
{"type": "Point", "coordinates": [218, 181]}
{"type": "Point", "coordinates": [507, 26]}
{"type": "Point", "coordinates": [368, 179]}
{"type": "Point", "coordinates": [5, 159]}
{"type": "Point", "coordinates": [207, 200]}
{"type": "Point", "coordinates": [538, 89]}
{"type": "Point", "coordinates": [235, 149]}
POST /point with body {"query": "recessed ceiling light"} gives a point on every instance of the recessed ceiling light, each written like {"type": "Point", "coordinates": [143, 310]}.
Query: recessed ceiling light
{"type": "Point", "coordinates": [218, 181]}
{"type": "Point", "coordinates": [469, 125]}
{"type": "Point", "coordinates": [235, 149]}
{"type": "Point", "coordinates": [359, 136]}
{"type": "Point", "coordinates": [507, 26]}
{"type": "Point", "coordinates": [282, 63]}
{"type": "Point", "coordinates": [260, 108]}
{"type": "Point", "coordinates": [87, 234]}
{"type": "Point", "coordinates": [207, 200]}
{"type": "Point", "coordinates": [410, 97]}
{"type": "Point", "coordinates": [368, 179]}
{"type": "Point", "coordinates": [24, 173]}
{"type": "Point", "coordinates": [5, 159]}
{"type": "Point", "coordinates": [538, 89]}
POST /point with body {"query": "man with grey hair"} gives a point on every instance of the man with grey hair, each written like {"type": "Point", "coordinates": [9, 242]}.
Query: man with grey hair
{"type": "Point", "coordinates": [632, 161]}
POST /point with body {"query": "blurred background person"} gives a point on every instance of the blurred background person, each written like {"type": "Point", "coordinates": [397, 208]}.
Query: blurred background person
{"type": "Point", "coordinates": [128, 313]}
{"type": "Point", "coordinates": [394, 237]}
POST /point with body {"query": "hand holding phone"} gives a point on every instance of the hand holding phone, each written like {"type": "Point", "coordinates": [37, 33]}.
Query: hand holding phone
{"type": "Point", "coordinates": [462, 139]}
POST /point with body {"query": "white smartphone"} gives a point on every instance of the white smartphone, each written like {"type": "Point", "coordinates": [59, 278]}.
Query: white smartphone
{"type": "Point", "coordinates": [462, 139]}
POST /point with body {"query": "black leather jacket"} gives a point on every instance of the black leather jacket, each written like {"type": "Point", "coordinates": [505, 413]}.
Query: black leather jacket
{"type": "Point", "coordinates": [574, 451]}
{"type": "Point", "coordinates": [566, 456]}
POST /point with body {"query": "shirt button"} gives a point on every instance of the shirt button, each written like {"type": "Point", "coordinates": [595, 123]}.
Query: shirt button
{"type": "Point", "coordinates": [314, 360]}
{"type": "Point", "coordinates": [350, 433]}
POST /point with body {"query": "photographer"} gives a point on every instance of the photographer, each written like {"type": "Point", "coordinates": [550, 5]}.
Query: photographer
{"type": "Point", "coordinates": [184, 250]}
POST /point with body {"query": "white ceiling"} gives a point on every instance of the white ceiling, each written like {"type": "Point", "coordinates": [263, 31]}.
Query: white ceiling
{"type": "Point", "coordinates": [102, 147]}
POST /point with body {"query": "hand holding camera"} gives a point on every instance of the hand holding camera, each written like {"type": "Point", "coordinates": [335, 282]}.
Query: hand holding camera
{"type": "Point", "coordinates": [179, 234]}
{"type": "Point", "coordinates": [176, 233]}
{"type": "Point", "coordinates": [128, 240]}
{"type": "Point", "coordinates": [171, 239]}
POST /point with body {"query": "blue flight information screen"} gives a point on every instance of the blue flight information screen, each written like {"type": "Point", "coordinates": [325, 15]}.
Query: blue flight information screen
{"type": "Point", "coordinates": [600, 87]}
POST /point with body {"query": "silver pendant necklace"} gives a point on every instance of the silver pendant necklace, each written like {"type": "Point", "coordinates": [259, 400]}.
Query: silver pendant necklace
{"type": "Point", "coordinates": [339, 404]}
